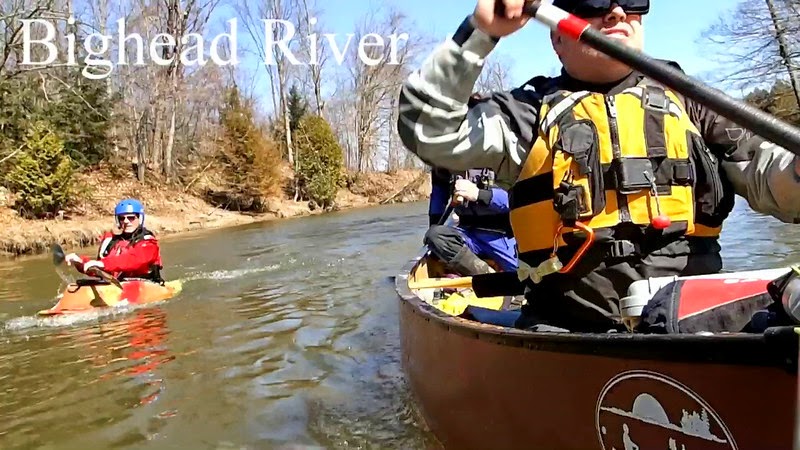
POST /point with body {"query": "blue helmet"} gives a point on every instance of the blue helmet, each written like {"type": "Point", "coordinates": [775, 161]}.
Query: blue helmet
{"type": "Point", "coordinates": [129, 206]}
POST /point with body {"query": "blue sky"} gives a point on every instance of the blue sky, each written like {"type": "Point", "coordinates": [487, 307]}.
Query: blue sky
{"type": "Point", "coordinates": [672, 31]}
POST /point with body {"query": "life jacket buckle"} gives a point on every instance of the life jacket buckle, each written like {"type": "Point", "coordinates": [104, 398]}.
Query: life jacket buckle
{"type": "Point", "coordinates": [569, 199]}
{"type": "Point", "coordinates": [622, 248]}
{"type": "Point", "coordinates": [655, 99]}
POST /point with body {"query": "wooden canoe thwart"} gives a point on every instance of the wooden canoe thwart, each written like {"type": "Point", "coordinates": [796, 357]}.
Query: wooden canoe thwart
{"type": "Point", "coordinates": [482, 386]}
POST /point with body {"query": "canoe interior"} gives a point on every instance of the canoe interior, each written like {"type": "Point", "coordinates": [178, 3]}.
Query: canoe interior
{"type": "Point", "coordinates": [776, 347]}
{"type": "Point", "coordinates": [428, 267]}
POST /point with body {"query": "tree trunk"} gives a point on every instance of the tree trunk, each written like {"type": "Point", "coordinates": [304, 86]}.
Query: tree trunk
{"type": "Point", "coordinates": [785, 51]}
{"type": "Point", "coordinates": [173, 28]}
{"type": "Point", "coordinates": [318, 92]}
{"type": "Point", "coordinates": [285, 110]}
{"type": "Point", "coordinates": [167, 166]}
{"type": "Point", "coordinates": [155, 146]}
{"type": "Point", "coordinates": [102, 19]}
{"type": "Point", "coordinates": [141, 146]}
{"type": "Point", "coordinates": [287, 128]}
{"type": "Point", "coordinates": [176, 29]}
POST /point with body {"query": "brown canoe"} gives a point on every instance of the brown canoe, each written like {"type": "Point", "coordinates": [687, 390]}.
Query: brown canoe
{"type": "Point", "coordinates": [482, 386]}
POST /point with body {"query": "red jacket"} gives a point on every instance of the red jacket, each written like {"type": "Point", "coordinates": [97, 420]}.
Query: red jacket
{"type": "Point", "coordinates": [127, 261]}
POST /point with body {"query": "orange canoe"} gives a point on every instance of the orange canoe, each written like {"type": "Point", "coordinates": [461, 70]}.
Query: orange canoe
{"type": "Point", "coordinates": [88, 294]}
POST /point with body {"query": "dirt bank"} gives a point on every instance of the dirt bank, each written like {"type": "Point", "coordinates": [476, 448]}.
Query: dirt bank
{"type": "Point", "coordinates": [172, 210]}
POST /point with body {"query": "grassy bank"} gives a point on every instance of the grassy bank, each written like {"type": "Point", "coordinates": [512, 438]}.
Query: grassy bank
{"type": "Point", "coordinates": [174, 209]}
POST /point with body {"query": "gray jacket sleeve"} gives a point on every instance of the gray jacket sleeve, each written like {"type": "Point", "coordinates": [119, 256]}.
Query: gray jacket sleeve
{"type": "Point", "coordinates": [760, 171]}
{"type": "Point", "coordinates": [765, 175]}
{"type": "Point", "coordinates": [436, 124]}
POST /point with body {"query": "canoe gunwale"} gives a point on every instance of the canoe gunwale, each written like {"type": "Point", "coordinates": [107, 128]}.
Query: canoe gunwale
{"type": "Point", "coordinates": [777, 347]}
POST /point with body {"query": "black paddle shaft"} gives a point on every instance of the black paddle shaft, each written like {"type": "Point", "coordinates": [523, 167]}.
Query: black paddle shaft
{"type": "Point", "coordinates": [496, 284]}
{"type": "Point", "coordinates": [748, 116]}
{"type": "Point", "coordinates": [745, 115]}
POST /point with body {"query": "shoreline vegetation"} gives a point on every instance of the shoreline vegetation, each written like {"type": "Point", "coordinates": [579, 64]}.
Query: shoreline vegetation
{"type": "Point", "coordinates": [211, 145]}
{"type": "Point", "coordinates": [174, 212]}
{"type": "Point", "coordinates": [201, 145]}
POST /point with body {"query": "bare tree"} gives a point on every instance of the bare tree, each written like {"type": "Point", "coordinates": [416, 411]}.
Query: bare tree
{"type": "Point", "coordinates": [374, 75]}
{"type": "Point", "coordinates": [156, 118]}
{"type": "Point", "coordinates": [780, 25]}
{"type": "Point", "coordinates": [12, 15]}
{"type": "Point", "coordinates": [262, 26]}
{"type": "Point", "coordinates": [314, 48]}
{"type": "Point", "coordinates": [183, 17]}
{"type": "Point", "coordinates": [495, 75]}
{"type": "Point", "coordinates": [756, 42]}
{"type": "Point", "coordinates": [339, 112]}
{"type": "Point", "coordinates": [100, 13]}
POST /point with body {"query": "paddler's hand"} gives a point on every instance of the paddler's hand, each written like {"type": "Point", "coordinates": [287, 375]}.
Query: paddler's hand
{"type": "Point", "coordinates": [484, 17]}
{"type": "Point", "coordinates": [93, 264]}
{"type": "Point", "coordinates": [72, 259]}
{"type": "Point", "coordinates": [467, 190]}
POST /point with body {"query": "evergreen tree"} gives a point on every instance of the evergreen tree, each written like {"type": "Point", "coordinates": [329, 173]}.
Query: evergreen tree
{"type": "Point", "coordinates": [253, 161]}
{"type": "Point", "coordinates": [778, 101]}
{"type": "Point", "coordinates": [298, 107]}
{"type": "Point", "coordinates": [321, 165]}
{"type": "Point", "coordinates": [41, 174]}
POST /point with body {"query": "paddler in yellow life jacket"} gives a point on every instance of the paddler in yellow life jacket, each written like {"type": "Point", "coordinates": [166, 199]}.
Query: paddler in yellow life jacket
{"type": "Point", "coordinates": [617, 177]}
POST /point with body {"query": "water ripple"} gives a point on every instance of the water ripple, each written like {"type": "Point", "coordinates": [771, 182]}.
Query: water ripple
{"type": "Point", "coordinates": [285, 336]}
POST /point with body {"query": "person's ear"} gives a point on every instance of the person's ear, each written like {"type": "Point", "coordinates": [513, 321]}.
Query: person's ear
{"type": "Point", "coordinates": [556, 40]}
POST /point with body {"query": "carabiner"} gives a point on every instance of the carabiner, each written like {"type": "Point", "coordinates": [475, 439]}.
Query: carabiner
{"type": "Point", "coordinates": [582, 250]}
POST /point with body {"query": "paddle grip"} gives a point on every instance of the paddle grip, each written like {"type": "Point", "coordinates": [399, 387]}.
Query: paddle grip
{"type": "Point", "coordinates": [529, 8]}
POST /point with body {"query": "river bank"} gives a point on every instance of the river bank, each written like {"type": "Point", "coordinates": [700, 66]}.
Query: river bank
{"type": "Point", "coordinates": [172, 210]}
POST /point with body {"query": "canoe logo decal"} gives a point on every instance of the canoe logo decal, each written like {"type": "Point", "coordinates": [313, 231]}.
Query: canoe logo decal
{"type": "Point", "coordinates": [639, 410]}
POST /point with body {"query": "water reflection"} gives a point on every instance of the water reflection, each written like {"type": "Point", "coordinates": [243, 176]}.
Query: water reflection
{"type": "Point", "coordinates": [132, 347]}
{"type": "Point", "coordinates": [105, 371]}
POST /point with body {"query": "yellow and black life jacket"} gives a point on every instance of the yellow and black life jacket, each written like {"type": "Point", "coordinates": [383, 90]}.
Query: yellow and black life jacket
{"type": "Point", "coordinates": [609, 162]}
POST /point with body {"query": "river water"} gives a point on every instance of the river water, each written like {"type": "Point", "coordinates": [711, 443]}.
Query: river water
{"type": "Point", "coordinates": [285, 336]}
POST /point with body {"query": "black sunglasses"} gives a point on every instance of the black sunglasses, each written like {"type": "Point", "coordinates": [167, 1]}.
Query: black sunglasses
{"type": "Point", "coordinates": [599, 8]}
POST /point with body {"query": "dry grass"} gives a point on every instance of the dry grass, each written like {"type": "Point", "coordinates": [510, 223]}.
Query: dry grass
{"type": "Point", "coordinates": [171, 210]}
{"type": "Point", "coordinates": [381, 185]}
